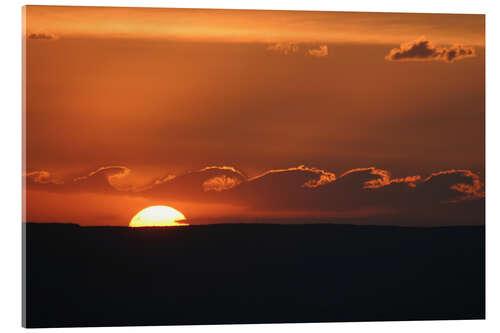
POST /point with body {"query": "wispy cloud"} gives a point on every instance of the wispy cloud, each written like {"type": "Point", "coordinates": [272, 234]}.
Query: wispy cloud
{"type": "Point", "coordinates": [321, 51]}
{"type": "Point", "coordinates": [42, 177]}
{"type": "Point", "coordinates": [288, 48]}
{"type": "Point", "coordinates": [284, 48]}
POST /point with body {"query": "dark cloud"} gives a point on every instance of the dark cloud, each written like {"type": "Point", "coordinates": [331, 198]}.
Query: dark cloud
{"type": "Point", "coordinates": [422, 49]}
{"type": "Point", "coordinates": [42, 35]}
{"type": "Point", "coordinates": [446, 195]}
{"type": "Point", "coordinates": [450, 195]}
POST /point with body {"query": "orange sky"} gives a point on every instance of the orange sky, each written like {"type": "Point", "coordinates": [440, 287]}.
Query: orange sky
{"type": "Point", "coordinates": [168, 92]}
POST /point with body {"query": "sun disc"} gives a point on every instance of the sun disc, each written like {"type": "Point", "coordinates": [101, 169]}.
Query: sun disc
{"type": "Point", "coordinates": [158, 216]}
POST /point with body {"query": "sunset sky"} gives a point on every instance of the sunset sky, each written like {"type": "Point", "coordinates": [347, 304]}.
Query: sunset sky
{"type": "Point", "coordinates": [246, 115]}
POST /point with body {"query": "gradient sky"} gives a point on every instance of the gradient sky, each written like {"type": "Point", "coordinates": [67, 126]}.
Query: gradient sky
{"type": "Point", "coordinates": [127, 107]}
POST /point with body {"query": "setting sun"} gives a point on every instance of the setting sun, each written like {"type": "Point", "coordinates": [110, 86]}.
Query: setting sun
{"type": "Point", "coordinates": [158, 216]}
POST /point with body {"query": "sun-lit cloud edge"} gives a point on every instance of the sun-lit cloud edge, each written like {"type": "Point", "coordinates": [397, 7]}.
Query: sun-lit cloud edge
{"type": "Point", "coordinates": [384, 178]}
{"type": "Point", "coordinates": [324, 177]}
{"type": "Point", "coordinates": [221, 182]}
{"type": "Point", "coordinates": [112, 174]}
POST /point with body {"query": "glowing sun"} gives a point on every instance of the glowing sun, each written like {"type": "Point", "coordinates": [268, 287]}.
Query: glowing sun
{"type": "Point", "coordinates": [158, 216]}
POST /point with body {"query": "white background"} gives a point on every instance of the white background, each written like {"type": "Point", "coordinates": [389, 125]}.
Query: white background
{"type": "Point", "coordinates": [10, 157]}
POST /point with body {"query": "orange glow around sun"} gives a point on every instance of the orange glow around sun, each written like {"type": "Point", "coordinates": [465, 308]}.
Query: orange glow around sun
{"type": "Point", "coordinates": [158, 216]}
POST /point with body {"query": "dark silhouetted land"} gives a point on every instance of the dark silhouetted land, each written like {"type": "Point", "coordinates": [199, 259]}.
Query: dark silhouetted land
{"type": "Point", "coordinates": [244, 273]}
